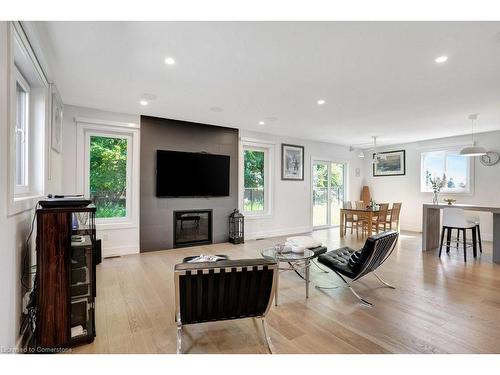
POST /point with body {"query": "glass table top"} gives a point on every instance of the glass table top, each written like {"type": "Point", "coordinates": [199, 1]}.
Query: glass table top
{"type": "Point", "coordinates": [278, 254]}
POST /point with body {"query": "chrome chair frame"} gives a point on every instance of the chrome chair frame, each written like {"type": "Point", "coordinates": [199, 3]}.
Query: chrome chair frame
{"type": "Point", "coordinates": [178, 319]}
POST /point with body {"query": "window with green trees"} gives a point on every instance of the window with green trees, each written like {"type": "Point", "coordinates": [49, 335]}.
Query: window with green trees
{"type": "Point", "coordinates": [108, 176]}
{"type": "Point", "coordinates": [254, 176]}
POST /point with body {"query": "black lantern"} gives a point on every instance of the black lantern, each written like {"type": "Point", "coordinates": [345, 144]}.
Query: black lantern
{"type": "Point", "coordinates": [236, 227]}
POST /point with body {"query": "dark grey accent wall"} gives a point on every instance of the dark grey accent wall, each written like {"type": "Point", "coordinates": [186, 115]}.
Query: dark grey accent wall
{"type": "Point", "coordinates": [157, 213]}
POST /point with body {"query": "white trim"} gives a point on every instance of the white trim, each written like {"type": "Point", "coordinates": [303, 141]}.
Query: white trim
{"type": "Point", "coordinates": [330, 161]}
{"type": "Point", "coordinates": [107, 123]}
{"type": "Point", "coordinates": [23, 39]}
{"type": "Point", "coordinates": [119, 251]}
{"type": "Point", "coordinates": [278, 232]}
{"type": "Point", "coordinates": [38, 125]}
{"type": "Point", "coordinates": [83, 130]}
{"type": "Point", "coordinates": [269, 177]}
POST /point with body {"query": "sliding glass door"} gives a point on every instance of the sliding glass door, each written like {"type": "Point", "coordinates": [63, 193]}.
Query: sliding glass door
{"type": "Point", "coordinates": [328, 182]}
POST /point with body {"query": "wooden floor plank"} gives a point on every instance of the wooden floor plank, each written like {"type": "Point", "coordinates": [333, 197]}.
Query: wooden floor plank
{"type": "Point", "coordinates": [440, 305]}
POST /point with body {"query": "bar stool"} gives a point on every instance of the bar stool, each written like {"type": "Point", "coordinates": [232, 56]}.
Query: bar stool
{"type": "Point", "coordinates": [454, 218]}
{"type": "Point", "coordinates": [477, 223]}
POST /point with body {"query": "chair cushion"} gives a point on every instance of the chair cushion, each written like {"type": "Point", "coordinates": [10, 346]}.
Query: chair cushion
{"type": "Point", "coordinates": [338, 260]}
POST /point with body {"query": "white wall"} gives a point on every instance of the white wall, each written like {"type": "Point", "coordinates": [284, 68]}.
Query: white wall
{"type": "Point", "coordinates": [406, 189]}
{"type": "Point", "coordinates": [14, 229]}
{"type": "Point", "coordinates": [292, 199]}
{"type": "Point", "coordinates": [117, 241]}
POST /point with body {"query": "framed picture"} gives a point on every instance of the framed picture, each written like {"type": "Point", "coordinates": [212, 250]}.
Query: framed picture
{"type": "Point", "coordinates": [56, 120]}
{"type": "Point", "coordinates": [391, 163]}
{"type": "Point", "coordinates": [292, 162]}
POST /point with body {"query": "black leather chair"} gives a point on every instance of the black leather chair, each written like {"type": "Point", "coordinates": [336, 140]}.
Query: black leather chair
{"type": "Point", "coordinates": [354, 264]}
{"type": "Point", "coordinates": [224, 290]}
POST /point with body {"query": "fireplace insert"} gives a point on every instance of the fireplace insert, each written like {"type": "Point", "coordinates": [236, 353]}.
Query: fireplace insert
{"type": "Point", "coordinates": [192, 227]}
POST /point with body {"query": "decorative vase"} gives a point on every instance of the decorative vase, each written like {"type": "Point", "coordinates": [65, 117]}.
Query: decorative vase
{"type": "Point", "coordinates": [435, 198]}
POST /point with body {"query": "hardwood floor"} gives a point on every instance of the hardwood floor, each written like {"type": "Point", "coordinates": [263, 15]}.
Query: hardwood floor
{"type": "Point", "coordinates": [439, 306]}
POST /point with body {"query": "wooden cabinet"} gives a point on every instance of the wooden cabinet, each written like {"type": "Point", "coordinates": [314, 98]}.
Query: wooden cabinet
{"type": "Point", "coordinates": [65, 278]}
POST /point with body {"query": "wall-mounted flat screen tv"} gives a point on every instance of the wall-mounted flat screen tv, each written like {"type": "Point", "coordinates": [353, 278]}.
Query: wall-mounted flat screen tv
{"type": "Point", "coordinates": [190, 174]}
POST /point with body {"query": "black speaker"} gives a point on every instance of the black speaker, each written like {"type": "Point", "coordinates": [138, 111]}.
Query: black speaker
{"type": "Point", "coordinates": [98, 252]}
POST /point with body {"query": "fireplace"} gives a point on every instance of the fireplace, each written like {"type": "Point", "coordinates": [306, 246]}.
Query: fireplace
{"type": "Point", "coordinates": [193, 227]}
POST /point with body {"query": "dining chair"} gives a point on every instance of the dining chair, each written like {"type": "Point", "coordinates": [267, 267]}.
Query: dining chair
{"type": "Point", "coordinates": [360, 205]}
{"type": "Point", "coordinates": [362, 221]}
{"type": "Point", "coordinates": [393, 216]}
{"type": "Point", "coordinates": [349, 218]}
{"type": "Point", "coordinates": [380, 222]}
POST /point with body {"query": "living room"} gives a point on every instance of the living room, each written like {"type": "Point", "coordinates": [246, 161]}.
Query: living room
{"type": "Point", "coordinates": [250, 187]}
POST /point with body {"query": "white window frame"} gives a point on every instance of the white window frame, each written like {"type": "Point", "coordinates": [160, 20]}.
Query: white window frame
{"type": "Point", "coordinates": [20, 190]}
{"type": "Point", "coordinates": [316, 159]}
{"type": "Point", "coordinates": [446, 152]}
{"type": "Point", "coordinates": [269, 155]}
{"type": "Point", "coordinates": [102, 128]}
{"type": "Point", "coordinates": [19, 47]}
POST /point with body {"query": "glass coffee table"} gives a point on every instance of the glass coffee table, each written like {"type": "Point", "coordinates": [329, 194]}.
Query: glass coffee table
{"type": "Point", "coordinates": [296, 262]}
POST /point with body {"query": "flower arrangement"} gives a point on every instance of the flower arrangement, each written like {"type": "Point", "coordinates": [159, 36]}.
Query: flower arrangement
{"type": "Point", "coordinates": [436, 183]}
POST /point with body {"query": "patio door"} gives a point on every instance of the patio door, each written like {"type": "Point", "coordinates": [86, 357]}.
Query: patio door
{"type": "Point", "coordinates": [328, 193]}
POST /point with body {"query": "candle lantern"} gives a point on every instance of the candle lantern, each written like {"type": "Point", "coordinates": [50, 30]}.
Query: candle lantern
{"type": "Point", "coordinates": [236, 227]}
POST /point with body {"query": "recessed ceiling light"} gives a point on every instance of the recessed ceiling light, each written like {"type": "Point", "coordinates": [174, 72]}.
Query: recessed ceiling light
{"type": "Point", "coordinates": [169, 61]}
{"type": "Point", "coordinates": [262, 123]}
{"type": "Point", "coordinates": [216, 109]}
{"type": "Point", "coordinates": [143, 102]}
{"type": "Point", "coordinates": [441, 59]}
{"type": "Point", "coordinates": [321, 101]}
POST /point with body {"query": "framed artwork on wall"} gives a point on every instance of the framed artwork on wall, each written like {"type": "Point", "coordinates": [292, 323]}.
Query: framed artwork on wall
{"type": "Point", "coordinates": [292, 162]}
{"type": "Point", "coordinates": [56, 120]}
{"type": "Point", "coordinates": [390, 163]}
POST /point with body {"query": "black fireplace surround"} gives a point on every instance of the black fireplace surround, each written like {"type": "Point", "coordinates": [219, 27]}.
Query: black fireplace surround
{"type": "Point", "coordinates": [192, 228]}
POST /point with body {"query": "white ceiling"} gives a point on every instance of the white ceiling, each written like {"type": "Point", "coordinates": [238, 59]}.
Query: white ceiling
{"type": "Point", "coordinates": [378, 78]}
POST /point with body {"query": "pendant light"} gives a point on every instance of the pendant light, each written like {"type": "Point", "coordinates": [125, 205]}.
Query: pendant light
{"type": "Point", "coordinates": [473, 150]}
{"type": "Point", "coordinates": [376, 155]}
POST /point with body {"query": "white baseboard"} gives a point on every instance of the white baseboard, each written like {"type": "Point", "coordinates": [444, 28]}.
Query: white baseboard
{"type": "Point", "coordinates": [119, 251]}
{"type": "Point", "coordinates": [278, 232]}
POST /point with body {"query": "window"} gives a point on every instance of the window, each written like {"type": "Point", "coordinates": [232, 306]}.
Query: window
{"type": "Point", "coordinates": [455, 167]}
{"type": "Point", "coordinates": [22, 135]}
{"type": "Point", "coordinates": [254, 174]}
{"type": "Point", "coordinates": [28, 91]}
{"type": "Point", "coordinates": [107, 170]}
{"type": "Point", "coordinates": [108, 175]}
{"type": "Point", "coordinates": [256, 171]}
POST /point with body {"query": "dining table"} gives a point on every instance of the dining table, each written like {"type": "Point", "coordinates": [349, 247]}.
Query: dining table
{"type": "Point", "coordinates": [368, 213]}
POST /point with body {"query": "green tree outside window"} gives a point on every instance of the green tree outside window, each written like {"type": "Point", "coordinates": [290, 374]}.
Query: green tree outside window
{"type": "Point", "coordinates": [254, 180]}
{"type": "Point", "coordinates": [108, 176]}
